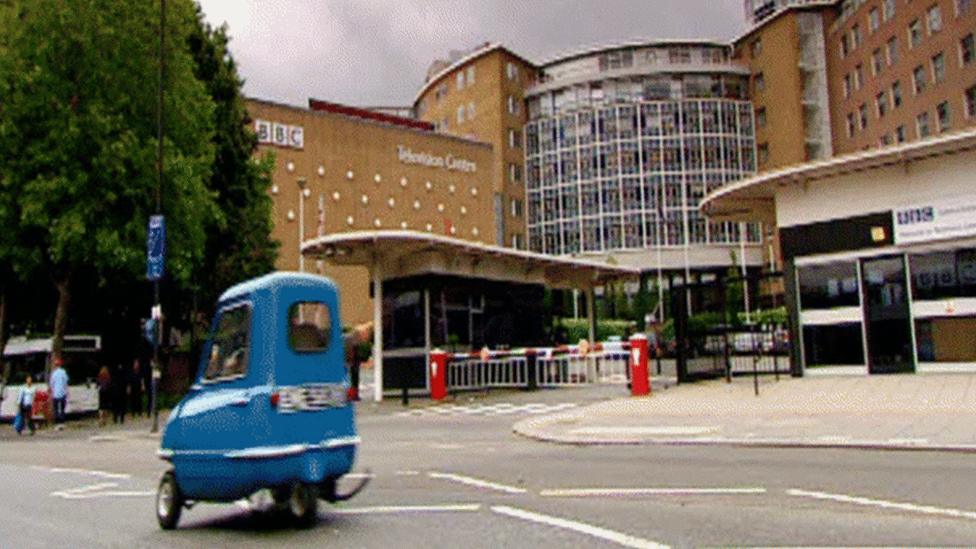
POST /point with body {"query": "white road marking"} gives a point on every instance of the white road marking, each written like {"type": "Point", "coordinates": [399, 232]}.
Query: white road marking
{"type": "Point", "coordinates": [407, 473]}
{"type": "Point", "coordinates": [834, 438]}
{"type": "Point", "coordinates": [598, 492]}
{"type": "Point", "coordinates": [619, 538]}
{"type": "Point", "coordinates": [901, 506]}
{"type": "Point", "coordinates": [104, 438]}
{"type": "Point", "coordinates": [101, 474]}
{"type": "Point", "coordinates": [359, 475]}
{"type": "Point", "coordinates": [446, 446]}
{"type": "Point", "coordinates": [84, 489]}
{"type": "Point", "coordinates": [478, 483]}
{"type": "Point", "coordinates": [908, 441]}
{"type": "Point", "coordinates": [391, 509]}
{"type": "Point", "coordinates": [109, 494]}
{"type": "Point", "coordinates": [662, 430]}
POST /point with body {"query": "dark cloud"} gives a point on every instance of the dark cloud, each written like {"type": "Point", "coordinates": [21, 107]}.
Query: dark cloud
{"type": "Point", "coordinates": [372, 52]}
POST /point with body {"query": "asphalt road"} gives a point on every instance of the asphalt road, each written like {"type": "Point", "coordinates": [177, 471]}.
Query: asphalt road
{"type": "Point", "coordinates": [460, 478]}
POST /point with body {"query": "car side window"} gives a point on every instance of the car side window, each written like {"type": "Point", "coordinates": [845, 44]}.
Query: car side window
{"type": "Point", "coordinates": [309, 326]}
{"type": "Point", "coordinates": [229, 346]}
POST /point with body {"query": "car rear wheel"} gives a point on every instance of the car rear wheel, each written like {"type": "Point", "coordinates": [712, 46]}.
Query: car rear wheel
{"type": "Point", "coordinates": [303, 503]}
{"type": "Point", "coordinates": [169, 502]}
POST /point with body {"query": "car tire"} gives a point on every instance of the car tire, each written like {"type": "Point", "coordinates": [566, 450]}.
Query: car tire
{"type": "Point", "coordinates": [327, 490]}
{"type": "Point", "coordinates": [303, 504]}
{"type": "Point", "coordinates": [169, 502]}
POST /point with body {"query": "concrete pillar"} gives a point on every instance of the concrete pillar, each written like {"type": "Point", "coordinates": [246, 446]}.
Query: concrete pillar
{"type": "Point", "coordinates": [377, 331]}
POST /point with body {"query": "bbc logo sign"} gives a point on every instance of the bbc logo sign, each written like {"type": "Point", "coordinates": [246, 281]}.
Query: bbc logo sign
{"type": "Point", "coordinates": [280, 135]}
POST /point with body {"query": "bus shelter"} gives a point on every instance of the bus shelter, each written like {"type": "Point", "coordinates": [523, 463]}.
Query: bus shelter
{"type": "Point", "coordinates": [433, 291]}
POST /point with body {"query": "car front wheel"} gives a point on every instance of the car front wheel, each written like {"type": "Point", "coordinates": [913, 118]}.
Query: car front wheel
{"type": "Point", "coordinates": [169, 502]}
{"type": "Point", "coordinates": [303, 503]}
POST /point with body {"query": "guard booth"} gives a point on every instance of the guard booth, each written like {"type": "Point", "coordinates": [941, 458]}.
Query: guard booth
{"type": "Point", "coordinates": [431, 291]}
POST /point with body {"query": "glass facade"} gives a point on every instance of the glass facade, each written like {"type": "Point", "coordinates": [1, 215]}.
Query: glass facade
{"type": "Point", "coordinates": [623, 163]}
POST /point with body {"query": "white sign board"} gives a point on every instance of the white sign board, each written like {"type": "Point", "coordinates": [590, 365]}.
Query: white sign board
{"type": "Point", "coordinates": [937, 220]}
{"type": "Point", "coordinates": [280, 135]}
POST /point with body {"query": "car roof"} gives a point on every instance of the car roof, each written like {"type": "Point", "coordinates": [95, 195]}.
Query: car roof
{"type": "Point", "coordinates": [274, 281]}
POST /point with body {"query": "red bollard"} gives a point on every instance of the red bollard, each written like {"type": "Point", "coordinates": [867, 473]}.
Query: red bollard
{"type": "Point", "coordinates": [640, 382]}
{"type": "Point", "coordinates": [438, 374]}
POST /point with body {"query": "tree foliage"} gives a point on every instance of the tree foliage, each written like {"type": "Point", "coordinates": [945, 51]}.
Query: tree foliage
{"type": "Point", "coordinates": [78, 139]}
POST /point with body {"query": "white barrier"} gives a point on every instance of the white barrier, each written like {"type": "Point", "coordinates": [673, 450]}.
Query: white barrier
{"type": "Point", "coordinates": [466, 373]}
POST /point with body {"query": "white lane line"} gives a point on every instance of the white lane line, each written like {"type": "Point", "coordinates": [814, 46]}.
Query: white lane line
{"type": "Point", "coordinates": [102, 474]}
{"type": "Point", "coordinates": [584, 492]}
{"type": "Point", "coordinates": [478, 483]}
{"type": "Point", "coordinates": [359, 475]}
{"type": "Point", "coordinates": [663, 430]}
{"type": "Point", "coordinates": [84, 489]}
{"type": "Point", "coordinates": [109, 494]}
{"type": "Point", "coordinates": [908, 441]}
{"type": "Point", "coordinates": [392, 509]}
{"type": "Point", "coordinates": [105, 438]}
{"type": "Point", "coordinates": [439, 446]}
{"type": "Point", "coordinates": [407, 473]}
{"type": "Point", "coordinates": [619, 538]}
{"type": "Point", "coordinates": [901, 506]}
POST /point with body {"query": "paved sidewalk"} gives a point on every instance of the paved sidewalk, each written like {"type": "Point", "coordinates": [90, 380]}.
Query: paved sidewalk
{"type": "Point", "coordinates": [918, 412]}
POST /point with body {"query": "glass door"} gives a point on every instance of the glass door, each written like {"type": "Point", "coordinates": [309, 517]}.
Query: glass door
{"type": "Point", "coordinates": [887, 319]}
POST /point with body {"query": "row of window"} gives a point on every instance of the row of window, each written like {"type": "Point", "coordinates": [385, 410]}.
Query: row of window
{"type": "Point", "coordinates": [932, 22]}
{"type": "Point", "coordinates": [923, 123]}
{"type": "Point", "coordinates": [634, 232]}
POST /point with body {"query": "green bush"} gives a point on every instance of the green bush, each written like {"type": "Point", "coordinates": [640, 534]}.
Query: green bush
{"type": "Point", "coordinates": [768, 316]}
{"type": "Point", "coordinates": [579, 329]}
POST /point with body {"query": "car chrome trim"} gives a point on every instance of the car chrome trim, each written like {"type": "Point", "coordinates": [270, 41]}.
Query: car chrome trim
{"type": "Point", "coordinates": [259, 452]}
{"type": "Point", "coordinates": [341, 441]}
{"type": "Point", "coordinates": [164, 453]}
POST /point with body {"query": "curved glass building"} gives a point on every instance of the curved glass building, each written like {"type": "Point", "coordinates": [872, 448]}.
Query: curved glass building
{"type": "Point", "coordinates": [622, 144]}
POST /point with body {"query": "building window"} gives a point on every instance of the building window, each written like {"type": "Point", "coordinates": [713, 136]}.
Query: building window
{"type": "Point", "coordinates": [963, 7]}
{"type": "Point", "coordinates": [471, 75]}
{"type": "Point", "coordinates": [896, 94]}
{"type": "Point", "coordinates": [856, 36]}
{"type": "Point", "coordinates": [945, 121]}
{"type": "Point", "coordinates": [885, 140]}
{"type": "Point", "coordinates": [514, 173]}
{"type": "Point", "coordinates": [938, 68]}
{"type": "Point", "coordinates": [471, 111]}
{"type": "Point", "coordinates": [441, 92]}
{"type": "Point", "coordinates": [918, 79]}
{"type": "Point", "coordinates": [881, 100]}
{"type": "Point", "coordinates": [460, 80]}
{"type": "Point", "coordinates": [511, 71]}
{"type": "Point", "coordinates": [889, 9]}
{"type": "Point", "coordinates": [971, 102]}
{"type": "Point", "coordinates": [966, 50]}
{"type": "Point", "coordinates": [460, 114]}
{"type": "Point", "coordinates": [755, 49]}
{"type": "Point", "coordinates": [892, 49]}
{"type": "Point", "coordinates": [933, 18]}
{"type": "Point", "coordinates": [513, 107]}
{"type": "Point", "coordinates": [844, 47]}
{"type": "Point", "coordinates": [848, 87]}
{"type": "Point", "coordinates": [851, 124]}
{"type": "Point", "coordinates": [759, 82]}
{"type": "Point", "coordinates": [900, 134]}
{"type": "Point", "coordinates": [858, 76]}
{"type": "Point", "coordinates": [874, 19]}
{"type": "Point", "coordinates": [516, 207]}
{"type": "Point", "coordinates": [761, 117]}
{"type": "Point", "coordinates": [914, 33]}
{"type": "Point", "coordinates": [762, 152]}
{"type": "Point", "coordinates": [517, 242]}
{"type": "Point", "coordinates": [862, 113]}
{"type": "Point", "coordinates": [922, 125]}
{"type": "Point", "coordinates": [877, 63]}
{"type": "Point", "coordinates": [514, 138]}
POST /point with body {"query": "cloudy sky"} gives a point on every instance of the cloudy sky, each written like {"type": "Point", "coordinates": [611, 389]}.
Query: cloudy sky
{"type": "Point", "coordinates": [376, 52]}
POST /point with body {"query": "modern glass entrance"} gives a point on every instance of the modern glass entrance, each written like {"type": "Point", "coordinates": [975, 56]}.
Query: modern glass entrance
{"type": "Point", "coordinates": [887, 315]}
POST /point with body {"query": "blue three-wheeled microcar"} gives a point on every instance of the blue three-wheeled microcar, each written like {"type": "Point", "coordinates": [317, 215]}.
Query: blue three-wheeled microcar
{"type": "Point", "coordinates": [269, 409]}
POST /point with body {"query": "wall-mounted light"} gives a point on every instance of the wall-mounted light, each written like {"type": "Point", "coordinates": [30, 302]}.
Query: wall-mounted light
{"type": "Point", "coordinates": [274, 189]}
{"type": "Point", "coordinates": [429, 185]}
{"type": "Point", "coordinates": [451, 188]}
{"type": "Point", "coordinates": [474, 191]}
{"type": "Point", "coordinates": [377, 178]}
{"type": "Point", "coordinates": [290, 167]}
{"type": "Point", "coordinates": [440, 207]}
{"type": "Point", "coordinates": [416, 204]}
{"type": "Point", "coordinates": [391, 202]}
{"type": "Point", "coordinates": [430, 227]}
{"type": "Point", "coordinates": [336, 196]}
{"type": "Point", "coordinates": [291, 215]}
{"type": "Point", "coordinates": [464, 210]}
{"type": "Point", "coordinates": [321, 170]}
{"type": "Point", "coordinates": [349, 175]}
{"type": "Point", "coordinates": [403, 182]}
{"type": "Point", "coordinates": [377, 222]}
{"type": "Point", "coordinates": [349, 220]}
{"type": "Point", "coordinates": [403, 225]}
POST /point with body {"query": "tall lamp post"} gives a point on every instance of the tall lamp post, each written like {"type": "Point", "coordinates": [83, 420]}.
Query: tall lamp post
{"type": "Point", "coordinates": [303, 193]}
{"type": "Point", "coordinates": [156, 373]}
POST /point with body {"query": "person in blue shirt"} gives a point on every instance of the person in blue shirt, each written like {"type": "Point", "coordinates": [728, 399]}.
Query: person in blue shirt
{"type": "Point", "coordinates": [59, 391]}
{"type": "Point", "coordinates": [25, 402]}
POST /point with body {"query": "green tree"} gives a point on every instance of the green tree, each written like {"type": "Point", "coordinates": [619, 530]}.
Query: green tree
{"type": "Point", "coordinates": [78, 139]}
{"type": "Point", "coordinates": [238, 244]}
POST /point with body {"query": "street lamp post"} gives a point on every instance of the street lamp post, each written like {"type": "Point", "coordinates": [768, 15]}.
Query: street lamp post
{"type": "Point", "coordinates": [303, 193]}
{"type": "Point", "coordinates": [156, 373]}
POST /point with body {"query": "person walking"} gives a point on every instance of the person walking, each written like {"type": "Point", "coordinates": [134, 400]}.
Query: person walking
{"type": "Point", "coordinates": [25, 403]}
{"type": "Point", "coordinates": [136, 388]}
{"type": "Point", "coordinates": [118, 388]}
{"type": "Point", "coordinates": [104, 381]}
{"type": "Point", "coordinates": [58, 384]}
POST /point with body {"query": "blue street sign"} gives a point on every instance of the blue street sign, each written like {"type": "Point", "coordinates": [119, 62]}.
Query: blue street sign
{"type": "Point", "coordinates": [156, 248]}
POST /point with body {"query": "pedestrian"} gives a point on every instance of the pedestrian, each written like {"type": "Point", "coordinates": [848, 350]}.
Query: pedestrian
{"type": "Point", "coordinates": [104, 381]}
{"type": "Point", "coordinates": [118, 388]}
{"type": "Point", "coordinates": [58, 384]}
{"type": "Point", "coordinates": [25, 403]}
{"type": "Point", "coordinates": [136, 388]}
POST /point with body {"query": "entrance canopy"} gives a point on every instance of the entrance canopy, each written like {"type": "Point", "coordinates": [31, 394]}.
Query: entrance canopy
{"type": "Point", "coordinates": [400, 254]}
